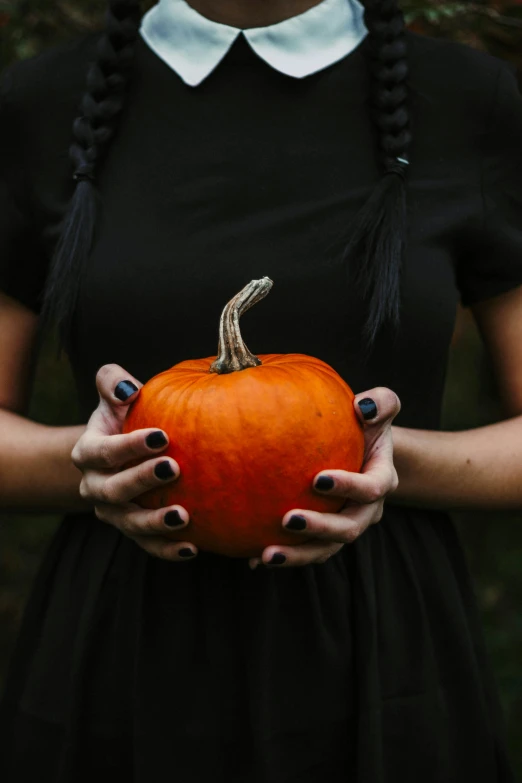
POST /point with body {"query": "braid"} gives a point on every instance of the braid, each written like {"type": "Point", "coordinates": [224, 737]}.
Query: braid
{"type": "Point", "coordinates": [379, 235]}
{"type": "Point", "coordinates": [101, 103]}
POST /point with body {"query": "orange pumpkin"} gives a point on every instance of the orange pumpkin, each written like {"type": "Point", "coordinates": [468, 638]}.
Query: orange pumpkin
{"type": "Point", "coordinates": [249, 434]}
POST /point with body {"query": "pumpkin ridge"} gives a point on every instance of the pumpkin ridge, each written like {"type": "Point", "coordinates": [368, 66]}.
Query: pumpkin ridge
{"type": "Point", "coordinates": [248, 442]}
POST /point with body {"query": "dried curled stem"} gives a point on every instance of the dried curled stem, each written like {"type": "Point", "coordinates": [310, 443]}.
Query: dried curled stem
{"type": "Point", "coordinates": [233, 355]}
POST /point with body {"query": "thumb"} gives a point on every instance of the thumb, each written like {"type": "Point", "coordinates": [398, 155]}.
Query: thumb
{"type": "Point", "coordinates": [117, 389]}
{"type": "Point", "coordinates": [377, 408]}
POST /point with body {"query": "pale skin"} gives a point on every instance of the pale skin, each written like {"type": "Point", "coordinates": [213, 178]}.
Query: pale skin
{"type": "Point", "coordinates": [83, 467]}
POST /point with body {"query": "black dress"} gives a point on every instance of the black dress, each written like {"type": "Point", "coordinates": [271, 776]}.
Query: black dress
{"type": "Point", "coordinates": [371, 667]}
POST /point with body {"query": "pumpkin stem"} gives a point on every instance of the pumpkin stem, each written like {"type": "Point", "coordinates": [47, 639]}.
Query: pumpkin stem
{"type": "Point", "coordinates": [233, 355]}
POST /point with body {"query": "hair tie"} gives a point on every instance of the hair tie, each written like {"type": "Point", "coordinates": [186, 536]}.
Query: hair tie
{"type": "Point", "coordinates": [398, 168]}
{"type": "Point", "coordinates": [81, 175]}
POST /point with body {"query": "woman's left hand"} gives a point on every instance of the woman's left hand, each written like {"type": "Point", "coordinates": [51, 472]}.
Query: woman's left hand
{"type": "Point", "coordinates": [364, 492]}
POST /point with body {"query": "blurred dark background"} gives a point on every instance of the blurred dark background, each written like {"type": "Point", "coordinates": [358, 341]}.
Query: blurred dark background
{"type": "Point", "coordinates": [493, 541]}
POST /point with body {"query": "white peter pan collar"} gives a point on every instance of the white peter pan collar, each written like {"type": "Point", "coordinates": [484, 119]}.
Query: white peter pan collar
{"type": "Point", "coordinates": [193, 45]}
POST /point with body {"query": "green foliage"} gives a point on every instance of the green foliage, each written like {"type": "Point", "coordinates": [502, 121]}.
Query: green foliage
{"type": "Point", "coordinates": [434, 14]}
{"type": "Point", "coordinates": [492, 25]}
{"type": "Point", "coordinates": [27, 26]}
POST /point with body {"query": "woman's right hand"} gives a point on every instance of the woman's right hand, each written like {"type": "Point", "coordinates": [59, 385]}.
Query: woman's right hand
{"type": "Point", "coordinates": [101, 454]}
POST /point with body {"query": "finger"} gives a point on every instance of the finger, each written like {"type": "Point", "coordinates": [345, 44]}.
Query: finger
{"type": "Point", "coordinates": [133, 520]}
{"type": "Point", "coordinates": [117, 388]}
{"type": "Point", "coordinates": [116, 385]}
{"type": "Point", "coordinates": [378, 477]}
{"type": "Point", "coordinates": [129, 483]}
{"type": "Point", "coordinates": [166, 549]}
{"type": "Point", "coordinates": [343, 527]}
{"type": "Point", "coordinates": [377, 407]}
{"type": "Point", "coordinates": [299, 555]}
{"type": "Point", "coordinates": [105, 452]}
{"type": "Point", "coordinates": [150, 529]}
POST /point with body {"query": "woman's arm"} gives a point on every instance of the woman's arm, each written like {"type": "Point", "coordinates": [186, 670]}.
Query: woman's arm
{"type": "Point", "coordinates": [479, 468]}
{"type": "Point", "coordinates": [38, 464]}
{"type": "Point", "coordinates": [36, 471]}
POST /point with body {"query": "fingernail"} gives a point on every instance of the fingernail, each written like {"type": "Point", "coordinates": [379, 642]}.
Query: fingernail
{"type": "Point", "coordinates": [368, 408]}
{"type": "Point", "coordinates": [324, 483]}
{"type": "Point", "coordinates": [173, 518]}
{"type": "Point", "coordinates": [163, 470]}
{"type": "Point", "coordinates": [296, 522]}
{"type": "Point", "coordinates": [186, 552]}
{"type": "Point", "coordinates": [156, 440]}
{"type": "Point", "coordinates": [277, 559]}
{"type": "Point", "coordinates": [124, 390]}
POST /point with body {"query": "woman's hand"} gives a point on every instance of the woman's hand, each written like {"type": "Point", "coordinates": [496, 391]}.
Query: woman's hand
{"type": "Point", "coordinates": [364, 492]}
{"type": "Point", "coordinates": [101, 455]}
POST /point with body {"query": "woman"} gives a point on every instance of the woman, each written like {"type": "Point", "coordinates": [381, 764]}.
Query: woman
{"type": "Point", "coordinates": [375, 176]}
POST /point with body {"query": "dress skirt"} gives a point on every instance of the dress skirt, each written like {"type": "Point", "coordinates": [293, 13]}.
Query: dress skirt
{"type": "Point", "coordinates": [369, 668]}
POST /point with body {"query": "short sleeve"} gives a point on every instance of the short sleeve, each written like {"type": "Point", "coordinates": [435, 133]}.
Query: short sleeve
{"type": "Point", "coordinates": [491, 263]}
{"type": "Point", "coordinates": [23, 263]}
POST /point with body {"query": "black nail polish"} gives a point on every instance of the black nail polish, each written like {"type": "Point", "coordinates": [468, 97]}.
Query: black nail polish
{"type": "Point", "coordinates": [186, 552]}
{"type": "Point", "coordinates": [277, 559]}
{"type": "Point", "coordinates": [368, 408]}
{"type": "Point", "coordinates": [173, 518]}
{"type": "Point", "coordinates": [296, 522]}
{"type": "Point", "coordinates": [163, 470]}
{"type": "Point", "coordinates": [324, 483]}
{"type": "Point", "coordinates": [156, 440]}
{"type": "Point", "coordinates": [124, 390]}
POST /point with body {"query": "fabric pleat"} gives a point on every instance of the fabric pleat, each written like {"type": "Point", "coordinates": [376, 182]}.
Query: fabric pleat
{"type": "Point", "coordinates": [370, 667]}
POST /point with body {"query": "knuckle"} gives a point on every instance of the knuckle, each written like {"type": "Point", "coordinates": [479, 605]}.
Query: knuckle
{"type": "Point", "coordinates": [77, 455]}
{"type": "Point", "coordinates": [102, 378]}
{"type": "Point", "coordinates": [166, 551]}
{"type": "Point", "coordinates": [375, 492]}
{"type": "Point", "coordinates": [108, 493]}
{"type": "Point", "coordinates": [152, 552]}
{"type": "Point", "coordinates": [379, 511]}
{"type": "Point", "coordinates": [100, 514]}
{"type": "Point", "coordinates": [104, 372]}
{"type": "Point", "coordinates": [322, 559]}
{"type": "Point", "coordinates": [351, 534]}
{"type": "Point", "coordinates": [390, 401]}
{"type": "Point", "coordinates": [147, 546]}
{"type": "Point", "coordinates": [320, 527]}
{"type": "Point", "coordinates": [105, 453]}
{"type": "Point", "coordinates": [135, 443]}
{"type": "Point", "coordinates": [145, 478]}
{"type": "Point", "coordinates": [84, 490]}
{"type": "Point", "coordinates": [394, 481]}
{"type": "Point", "coordinates": [327, 554]}
{"type": "Point", "coordinates": [149, 524]}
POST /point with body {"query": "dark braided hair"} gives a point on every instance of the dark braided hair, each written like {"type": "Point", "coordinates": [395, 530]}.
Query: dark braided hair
{"type": "Point", "coordinates": [100, 105]}
{"type": "Point", "coordinates": [378, 235]}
